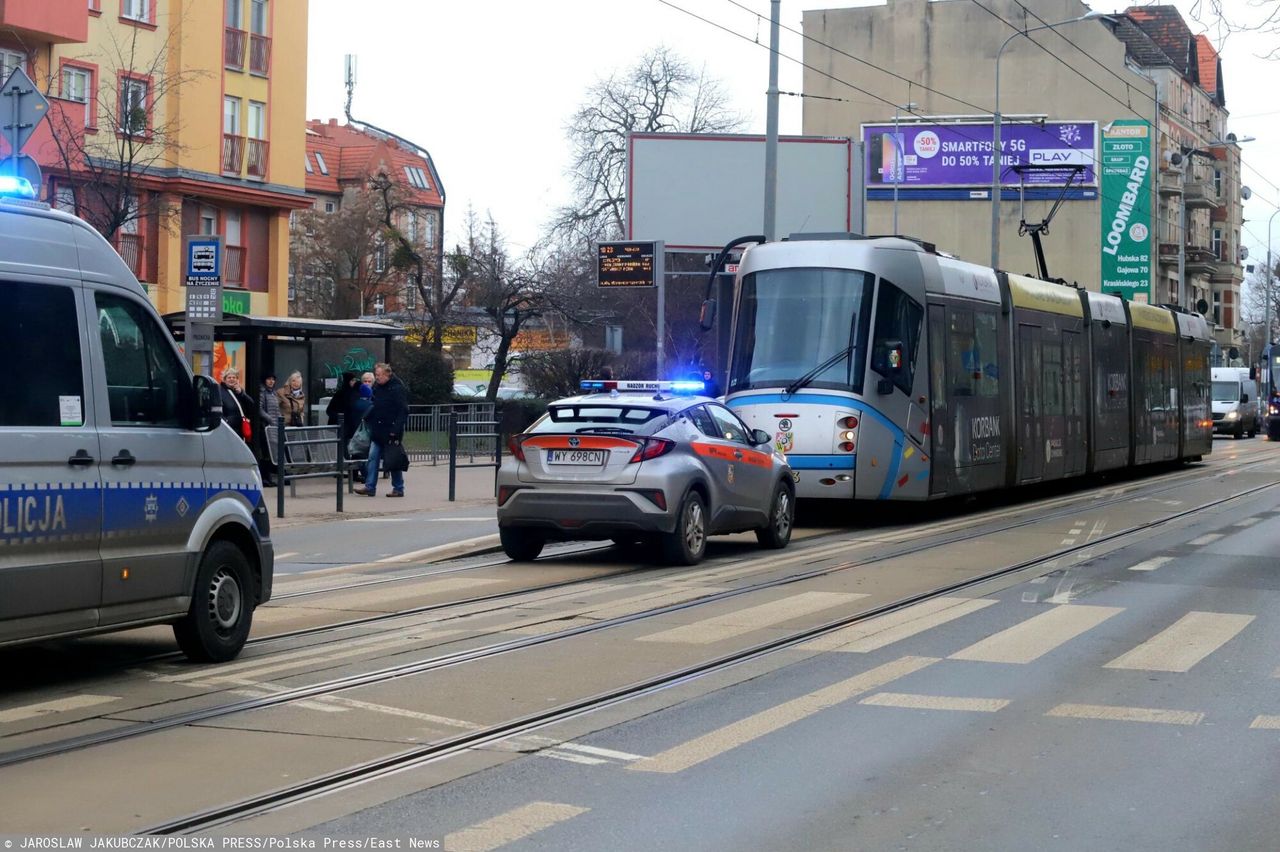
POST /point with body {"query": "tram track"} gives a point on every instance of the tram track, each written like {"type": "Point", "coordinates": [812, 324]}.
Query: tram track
{"type": "Point", "coordinates": [491, 651]}
{"type": "Point", "coordinates": [408, 759]}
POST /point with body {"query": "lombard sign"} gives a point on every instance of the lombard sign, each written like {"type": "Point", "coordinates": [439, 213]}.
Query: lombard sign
{"type": "Point", "coordinates": [959, 154]}
{"type": "Point", "coordinates": [1126, 209]}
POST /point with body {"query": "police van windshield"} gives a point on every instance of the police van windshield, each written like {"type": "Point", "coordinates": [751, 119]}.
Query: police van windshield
{"type": "Point", "coordinates": [791, 321]}
{"type": "Point", "coordinates": [1226, 391]}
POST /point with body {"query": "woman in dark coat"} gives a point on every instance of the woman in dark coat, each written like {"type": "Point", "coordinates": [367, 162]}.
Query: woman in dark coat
{"type": "Point", "coordinates": [240, 412]}
{"type": "Point", "coordinates": [343, 402]}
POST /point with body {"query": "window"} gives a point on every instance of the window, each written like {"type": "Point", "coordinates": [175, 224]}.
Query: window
{"type": "Point", "coordinates": [972, 362]}
{"type": "Point", "coordinates": [411, 226]}
{"type": "Point", "coordinates": [411, 297]}
{"type": "Point", "coordinates": [9, 60]}
{"type": "Point", "coordinates": [430, 238]}
{"type": "Point", "coordinates": [146, 384]}
{"type": "Point", "coordinates": [132, 214]}
{"type": "Point", "coordinates": [231, 116]}
{"type": "Point", "coordinates": [307, 161]}
{"type": "Point", "coordinates": [233, 14]}
{"type": "Point", "coordinates": [329, 207]}
{"type": "Point", "coordinates": [136, 10]}
{"type": "Point", "coordinates": [417, 177]}
{"type": "Point", "coordinates": [324, 168]}
{"type": "Point", "coordinates": [64, 199]}
{"type": "Point", "coordinates": [257, 120]}
{"type": "Point", "coordinates": [379, 305]}
{"type": "Point", "coordinates": [232, 228]}
{"type": "Point", "coordinates": [1217, 244]}
{"type": "Point", "coordinates": [258, 17]}
{"type": "Point", "coordinates": [1217, 182]}
{"type": "Point", "coordinates": [133, 106]}
{"type": "Point", "coordinates": [898, 319]}
{"type": "Point", "coordinates": [38, 325]}
{"type": "Point", "coordinates": [380, 257]}
{"type": "Point", "coordinates": [208, 221]}
{"type": "Point", "coordinates": [702, 421]}
{"type": "Point", "coordinates": [76, 83]}
{"type": "Point", "coordinates": [731, 427]}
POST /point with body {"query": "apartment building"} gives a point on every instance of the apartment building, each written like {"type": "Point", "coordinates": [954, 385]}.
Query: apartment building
{"type": "Point", "coordinates": [173, 117]}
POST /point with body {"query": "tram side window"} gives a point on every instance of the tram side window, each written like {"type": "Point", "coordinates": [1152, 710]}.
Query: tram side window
{"type": "Point", "coordinates": [986, 361]}
{"type": "Point", "coordinates": [898, 321]}
{"type": "Point", "coordinates": [39, 326]}
{"type": "Point", "coordinates": [972, 366]}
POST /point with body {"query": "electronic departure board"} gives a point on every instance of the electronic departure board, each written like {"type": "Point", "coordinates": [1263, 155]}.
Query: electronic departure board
{"type": "Point", "coordinates": [628, 264]}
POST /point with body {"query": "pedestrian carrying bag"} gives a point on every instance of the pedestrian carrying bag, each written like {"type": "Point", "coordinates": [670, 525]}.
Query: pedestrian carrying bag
{"type": "Point", "coordinates": [358, 446]}
{"type": "Point", "coordinates": [395, 458]}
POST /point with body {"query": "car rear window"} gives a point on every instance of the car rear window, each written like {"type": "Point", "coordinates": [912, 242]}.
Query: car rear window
{"type": "Point", "coordinates": [600, 418]}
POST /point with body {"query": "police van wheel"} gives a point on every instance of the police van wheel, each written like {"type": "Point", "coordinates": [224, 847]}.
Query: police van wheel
{"type": "Point", "coordinates": [782, 515]}
{"type": "Point", "coordinates": [520, 544]}
{"type": "Point", "coordinates": [687, 543]}
{"type": "Point", "coordinates": [216, 627]}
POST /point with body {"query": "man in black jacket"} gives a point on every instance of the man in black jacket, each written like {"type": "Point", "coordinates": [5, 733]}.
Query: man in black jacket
{"type": "Point", "coordinates": [387, 420]}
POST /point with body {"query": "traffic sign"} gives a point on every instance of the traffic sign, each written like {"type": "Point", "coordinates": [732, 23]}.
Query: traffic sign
{"type": "Point", "coordinates": [25, 109]}
{"type": "Point", "coordinates": [204, 278]}
{"type": "Point", "coordinates": [23, 166]}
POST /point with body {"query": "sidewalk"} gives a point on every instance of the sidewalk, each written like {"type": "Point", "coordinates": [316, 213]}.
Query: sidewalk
{"type": "Point", "coordinates": [426, 490]}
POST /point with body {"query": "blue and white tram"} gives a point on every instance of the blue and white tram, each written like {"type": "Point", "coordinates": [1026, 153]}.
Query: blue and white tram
{"type": "Point", "coordinates": [885, 370]}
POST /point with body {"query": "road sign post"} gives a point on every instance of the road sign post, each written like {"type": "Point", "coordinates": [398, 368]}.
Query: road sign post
{"type": "Point", "coordinates": [637, 264]}
{"type": "Point", "coordinates": [203, 254]}
{"type": "Point", "coordinates": [25, 108]}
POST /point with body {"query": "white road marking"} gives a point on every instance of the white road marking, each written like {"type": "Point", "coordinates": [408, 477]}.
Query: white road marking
{"type": "Point", "coordinates": [1184, 643]}
{"type": "Point", "coordinates": [1151, 564]}
{"type": "Point", "coordinates": [1126, 714]}
{"type": "Point", "coordinates": [60, 705]}
{"type": "Point", "coordinates": [1096, 532]}
{"type": "Point", "coordinates": [1037, 636]}
{"type": "Point", "coordinates": [550, 742]}
{"type": "Point", "coordinates": [1247, 522]}
{"type": "Point", "coordinates": [479, 541]}
{"type": "Point", "coordinates": [1208, 538]}
{"type": "Point", "coordinates": [894, 627]}
{"type": "Point", "coordinates": [752, 618]}
{"type": "Point", "coordinates": [280, 557]}
{"type": "Point", "coordinates": [1068, 541]}
{"type": "Point", "coordinates": [572, 758]}
{"type": "Point", "coordinates": [753, 727]}
{"type": "Point", "coordinates": [935, 702]}
{"type": "Point", "coordinates": [1076, 530]}
{"type": "Point", "coordinates": [509, 827]}
{"type": "Point", "coordinates": [1266, 723]}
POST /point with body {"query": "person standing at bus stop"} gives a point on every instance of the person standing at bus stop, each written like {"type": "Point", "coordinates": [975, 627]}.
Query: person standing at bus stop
{"type": "Point", "coordinates": [387, 419]}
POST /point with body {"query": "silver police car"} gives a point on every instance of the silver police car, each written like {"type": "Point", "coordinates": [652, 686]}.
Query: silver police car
{"type": "Point", "coordinates": [639, 461]}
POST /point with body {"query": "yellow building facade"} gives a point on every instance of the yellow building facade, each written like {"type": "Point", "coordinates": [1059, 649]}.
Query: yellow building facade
{"type": "Point", "coordinates": [202, 104]}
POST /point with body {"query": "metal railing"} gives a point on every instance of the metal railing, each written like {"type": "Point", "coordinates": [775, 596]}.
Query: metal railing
{"type": "Point", "coordinates": [130, 248]}
{"type": "Point", "coordinates": [257, 158]}
{"type": "Point", "coordinates": [308, 452]}
{"type": "Point", "coordinates": [233, 271]}
{"type": "Point", "coordinates": [233, 48]}
{"type": "Point", "coordinates": [259, 54]}
{"type": "Point", "coordinates": [232, 153]}
{"type": "Point", "coordinates": [427, 434]}
{"type": "Point", "coordinates": [491, 433]}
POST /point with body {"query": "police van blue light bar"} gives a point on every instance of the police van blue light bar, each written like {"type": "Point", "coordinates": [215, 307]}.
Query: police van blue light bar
{"type": "Point", "coordinates": [16, 187]}
{"type": "Point", "coordinates": [607, 385]}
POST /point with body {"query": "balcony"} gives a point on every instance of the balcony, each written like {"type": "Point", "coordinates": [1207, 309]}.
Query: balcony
{"type": "Point", "coordinates": [233, 266]}
{"type": "Point", "coordinates": [130, 248]}
{"type": "Point", "coordinates": [1199, 260]}
{"type": "Point", "coordinates": [1170, 183]}
{"type": "Point", "coordinates": [57, 21]}
{"type": "Point", "coordinates": [257, 158]}
{"type": "Point", "coordinates": [259, 55]}
{"type": "Point", "coordinates": [233, 41]}
{"type": "Point", "coordinates": [1198, 194]}
{"type": "Point", "coordinates": [1168, 254]}
{"type": "Point", "coordinates": [232, 154]}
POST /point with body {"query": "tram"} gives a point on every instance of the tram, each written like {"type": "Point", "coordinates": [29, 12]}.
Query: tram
{"type": "Point", "coordinates": [886, 370]}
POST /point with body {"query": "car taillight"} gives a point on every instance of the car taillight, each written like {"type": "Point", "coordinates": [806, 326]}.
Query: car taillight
{"type": "Point", "coordinates": [515, 445]}
{"type": "Point", "coordinates": [651, 449]}
{"type": "Point", "coordinates": [505, 492]}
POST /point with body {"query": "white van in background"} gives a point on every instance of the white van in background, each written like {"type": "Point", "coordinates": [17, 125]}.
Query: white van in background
{"type": "Point", "coordinates": [1235, 402]}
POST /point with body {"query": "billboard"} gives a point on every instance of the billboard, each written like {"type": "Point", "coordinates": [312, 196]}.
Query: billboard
{"type": "Point", "coordinates": [920, 156]}
{"type": "Point", "coordinates": [1126, 209]}
{"type": "Point", "coordinates": [698, 191]}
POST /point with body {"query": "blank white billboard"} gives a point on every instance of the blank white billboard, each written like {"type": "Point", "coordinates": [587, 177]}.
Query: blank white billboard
{"type": "Point", "coordinates": [700, 191]}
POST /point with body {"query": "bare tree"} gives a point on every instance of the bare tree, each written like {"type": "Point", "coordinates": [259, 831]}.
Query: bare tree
{"type": "Point", "coordinates": [661, 93]}
{"type": "Point", "coordinates": [413, 256]}
{"type": "Point", "coordinates": [139, 130]}
{"type": "Point", "coordinates": [1254, 307]}
{"type": "Point", "coordinates": [1221, 19]}
{"type": "Point", "coordinates": [342, 260]}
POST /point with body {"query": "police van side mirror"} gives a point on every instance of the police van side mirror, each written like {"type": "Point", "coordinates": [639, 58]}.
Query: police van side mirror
{"type": "Point", "coordinates": [1244, 397]}
{"type": "Point", "coordinates": [208, 404]}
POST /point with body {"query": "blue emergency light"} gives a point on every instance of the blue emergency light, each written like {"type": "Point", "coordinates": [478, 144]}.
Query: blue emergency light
{"type": "Point", "coordinates": [16, 187]}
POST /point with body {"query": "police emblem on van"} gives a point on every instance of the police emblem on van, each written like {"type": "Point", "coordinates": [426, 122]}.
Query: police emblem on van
{"type": "Point", "coordinates": [151, 508]}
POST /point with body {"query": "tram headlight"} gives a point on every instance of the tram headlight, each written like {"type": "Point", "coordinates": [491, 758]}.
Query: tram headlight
{"type": "Point", "coordinates": [847, 436]}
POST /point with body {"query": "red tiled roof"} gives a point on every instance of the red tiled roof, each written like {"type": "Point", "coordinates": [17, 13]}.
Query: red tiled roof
{"type": "Point", "coordinates": [1210, 69]}
{"type": "Point", "coordinates": [354, 155]}
{"type": "Point", "coordinates": [1165, 26]}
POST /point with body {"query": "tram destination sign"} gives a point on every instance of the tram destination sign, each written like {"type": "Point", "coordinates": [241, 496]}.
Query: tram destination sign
{"type": "Point", "coordinates": [629, 264]}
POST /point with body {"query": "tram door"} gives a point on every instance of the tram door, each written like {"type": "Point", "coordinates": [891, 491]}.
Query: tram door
{"type": "Point", "coordinates": [1030, 407]}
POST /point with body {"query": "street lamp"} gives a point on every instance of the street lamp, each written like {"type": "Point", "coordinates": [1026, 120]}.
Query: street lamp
{"type": "Point", "coordinates": [995, 144]}
{"type": "Point", "coordinates": [899, 167]}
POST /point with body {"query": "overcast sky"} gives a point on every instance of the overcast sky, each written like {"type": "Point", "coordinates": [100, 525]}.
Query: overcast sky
{"type": "Point", "coordinates": [487, 86]}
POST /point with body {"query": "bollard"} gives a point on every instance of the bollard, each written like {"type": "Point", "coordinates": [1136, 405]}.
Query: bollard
{"type": "Point", "coordinates": [453, 454]}
{"type": "Point", "coordinates": [281, 466]}
{"type": "Point", "coordinates": [341, 478]}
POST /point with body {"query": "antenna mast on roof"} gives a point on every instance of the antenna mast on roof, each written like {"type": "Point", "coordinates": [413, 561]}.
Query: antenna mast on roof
{"type": "Point", "coordinates": [350, 63]}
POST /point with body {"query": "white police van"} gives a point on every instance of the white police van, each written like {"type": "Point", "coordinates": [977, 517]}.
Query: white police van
{"type": "Point", "coordinates": [124, 499]}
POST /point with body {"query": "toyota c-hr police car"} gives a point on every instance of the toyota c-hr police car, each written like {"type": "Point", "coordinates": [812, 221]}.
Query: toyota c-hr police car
{"type": "Point", "coordinates": [124, 498]}
{"type": "Point", "coordinates": [636, 461]}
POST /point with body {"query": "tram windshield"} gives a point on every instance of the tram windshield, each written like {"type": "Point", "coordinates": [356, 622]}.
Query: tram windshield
{"type": "Point", "coordinates": [791, 321]}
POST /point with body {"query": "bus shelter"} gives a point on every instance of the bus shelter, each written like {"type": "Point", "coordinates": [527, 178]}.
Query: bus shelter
{"type": "Point", "coordinates": [321, 350]}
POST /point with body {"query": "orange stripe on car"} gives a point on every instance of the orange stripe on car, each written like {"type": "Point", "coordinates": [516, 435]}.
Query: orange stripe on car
{"type": "Point", "coordinates": [585, 442]}
{"type": "Point", "coordinates": [716, 451]}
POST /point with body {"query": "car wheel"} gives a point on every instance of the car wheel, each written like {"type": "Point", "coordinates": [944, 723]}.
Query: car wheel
{"type": "Point", "coordinates": [782, 515]}
{"type": "Point", "coordinates": [521, 544]}
{"type": "Point", "coordinates": [687, 544]}
{"type": "Point", "coordinates": [217, 625]}
{"type": "Point", "coordinates": [1239, 433]}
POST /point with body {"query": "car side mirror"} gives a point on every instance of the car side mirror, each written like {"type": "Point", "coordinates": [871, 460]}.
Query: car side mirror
{"type": "Point", "coordinates": [208, 404]}
{"type": "Point", "coordinates": [1244, 397]}
{"type": "Point", "coordinates": [707, 316]}
{"type": "Point", "coordinates": [760, 437]}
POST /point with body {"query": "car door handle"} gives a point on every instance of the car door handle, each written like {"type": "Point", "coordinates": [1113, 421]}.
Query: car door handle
{"type": "Point", "coordinates": [124, 459]}
{"type": "Point", "coordinates": [81, 459]}
{"type": "Point", "coordinates": [737, 454]}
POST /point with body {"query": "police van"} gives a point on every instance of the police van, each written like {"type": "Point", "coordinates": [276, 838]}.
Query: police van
{"type": "Point", "coordinates": [124, 499]}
